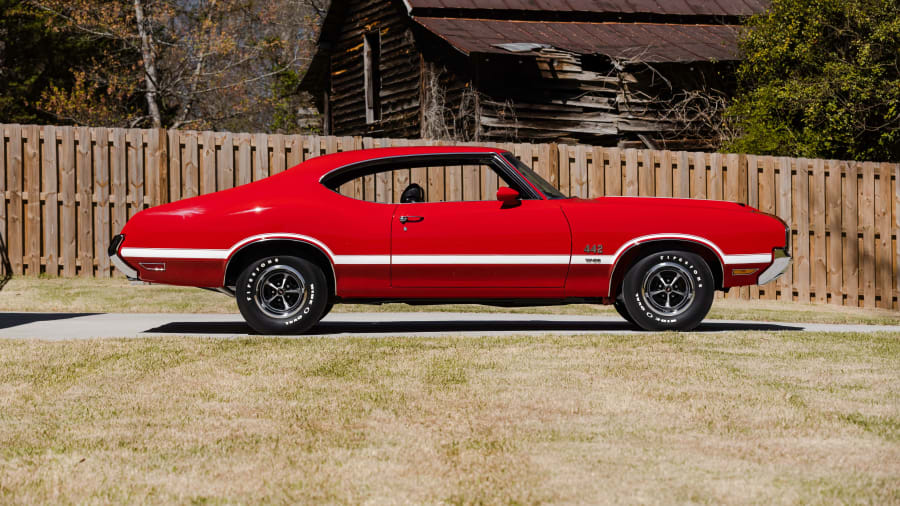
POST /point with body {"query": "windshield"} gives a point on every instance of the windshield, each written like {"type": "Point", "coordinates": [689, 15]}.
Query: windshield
{"type": "Point", "coordinates": [542, 184]}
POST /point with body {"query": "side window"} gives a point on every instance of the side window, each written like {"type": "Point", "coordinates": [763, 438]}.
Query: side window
{"type": "Point", "coordinates": [438, 183]}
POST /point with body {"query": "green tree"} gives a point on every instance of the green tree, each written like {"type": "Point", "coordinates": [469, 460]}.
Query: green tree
{"type": "Point", "coordinates": [821, 78]}
{"type": "Point", "coordinates": [35, 57]}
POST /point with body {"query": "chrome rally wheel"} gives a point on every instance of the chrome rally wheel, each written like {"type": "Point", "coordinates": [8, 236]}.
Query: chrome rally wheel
{"type": "Point", "coordinates": [668, 290]}
{"type": "Point", "coordinates": [281, 291]}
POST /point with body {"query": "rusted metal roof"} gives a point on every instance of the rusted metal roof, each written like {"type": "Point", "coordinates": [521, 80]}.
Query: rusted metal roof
{"type": "Point", "coordinates": [646, 42]}
{"type": "Point", "coordinates": [671, 7]}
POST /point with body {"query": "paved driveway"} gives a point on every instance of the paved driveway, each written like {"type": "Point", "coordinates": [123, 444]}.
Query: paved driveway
{"type": "Point", "coordinates": [57, 326]}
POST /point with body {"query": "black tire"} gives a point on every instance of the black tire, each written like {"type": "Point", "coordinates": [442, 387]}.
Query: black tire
{"type": "Point", "coordinates": [327, 309]}
{"type": "Point", "coordinates": [282, 294]}
{"type": "Point", "coordinates": [619, 304]}
{"type": "Point", "coordinates": [669, 290]}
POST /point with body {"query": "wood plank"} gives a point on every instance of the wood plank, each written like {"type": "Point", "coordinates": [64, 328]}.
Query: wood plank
{"type": "Point", "coordinates": [119, 179]}
{"type": "Point", "coordinates": [207, 163]}
{"type": "Point", "coordinates": [68, 221]}
{"type": "Point", "coordinates": [101, 194]}
{"type": "Point", "coordinates": [135, 160]}
{"type": "Point", "coordinates": [294, 145]}
{"type": "Point", "coordinates": [565, 182]}
{"type": "Point", "coordinates": [358, 182]}
{"type": "Point", "coordinates": [368, 181]}
{"type": "Point", "coordinates": [384, 187]}
{"type": "Point", "coordinates": [191, 163]}
{"type": "Point", "coordinates": [683, 176]}
{"type": "Point", "coordinates": [833, 217]}
{"type": "Point", "coordinates": [553, 164]}
{"type": "Point", "coordinates": [801, 212]}
{"type": "Point", "coordinates": [15, 244]}
{"type": "Point", "coordinates": [698, 180]}
{"type": "Point", "coordinates": [157, 167]}
{"type": "Point", "coordinates": [867, 221]}
{"type": "Point", "coordinates": [897, 234]}
{"type": "Point", "coordinates": [50, 188]}
{"type": "Point", "coordinates": [471, 183]}
{"type": "Point", "coordinates": [630, 185]}
{"type": "Point", "coordinates": [279, 158]}
{"type": "Point", "coordinates": [244, 160]}
{"type": "Point", "coordinates": [84, 190]}
{"type": "Point", "coordinates": [578, 175]}
{"type": "Point", "coordinates": [225, 163]}
{"type": "Point", "coordinates": [883, 256]}
{"type": "Point", "coordinates": [731, 184]}
{"type": "Point", "coordinates": [818, 254]}
{"type": "Point", "coordinates": [4, 269]}
{"type": "Point", "coordinates": [542, 167]}
{"type": "Point", "coordinates": [613, 171]}
{"type": "Point", "coordinates": [260, 157]}
{"type": "Point", "coordinates": [596, 174]}
{"type": "Point", "coordinates": [32, 184]}
{"type": "Point", "coordinates": [174, 152]}
{"type": "Point", "coordinates": [665, 176]}
{"type": "Point", "coordinates": [785, 212]}
{"type": "Point", "coordinates": [730, 178]}
{"type": "Point", "coordinates": [646, 174]}
{"type": "Point", "coordinates": [453, 184]}
{"type": "Point", "coordinates": [850, 225]}
{"type": "Point", "coordinates": [767, 200]}
{"type": "Point", "coordinates": [715, 181]}
{"type": "Point", "coordinates": [151, 164]}
{"type": "Point", "coordinates": [751, 165]}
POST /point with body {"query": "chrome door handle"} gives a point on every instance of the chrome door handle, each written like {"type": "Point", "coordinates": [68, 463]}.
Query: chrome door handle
{"type": "Point", "coordinates": [411, 219]}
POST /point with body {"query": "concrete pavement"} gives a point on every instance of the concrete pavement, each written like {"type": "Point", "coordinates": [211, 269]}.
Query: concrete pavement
{"type": "Point", "coordinates": [59, 326]}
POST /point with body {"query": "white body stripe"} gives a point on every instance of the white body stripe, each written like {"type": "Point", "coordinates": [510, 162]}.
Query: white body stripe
{"type": "Point", "coordinates": [480, 259]}
{"type": "Point", "coordinates": [759, 258]}
{"type": "Point", "coordinates": [222, 254]}
{"type": "Point", "coordinates": [188, 254]}
{"type": "Point", "coordinates": [362, 260]}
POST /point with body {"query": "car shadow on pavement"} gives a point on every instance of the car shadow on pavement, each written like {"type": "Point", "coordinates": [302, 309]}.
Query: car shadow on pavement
{"type": "Point", "coordinates": [450, 326]}
{"type": "Point", "coordinates": [8, 320]}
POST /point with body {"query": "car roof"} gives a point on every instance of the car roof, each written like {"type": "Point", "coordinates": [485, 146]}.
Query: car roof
{"type": "Point", "coordinates": [321, 165]}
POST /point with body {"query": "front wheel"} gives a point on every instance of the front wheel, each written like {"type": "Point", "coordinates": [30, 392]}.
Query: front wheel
{"type": "Point", "coordinates": [669, 290]}
{"type": "Point", "coordinates": [282, 294]}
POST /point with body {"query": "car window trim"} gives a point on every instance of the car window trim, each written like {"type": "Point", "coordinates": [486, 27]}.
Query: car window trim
{"type": "Point", "coordinates": [495, 160]}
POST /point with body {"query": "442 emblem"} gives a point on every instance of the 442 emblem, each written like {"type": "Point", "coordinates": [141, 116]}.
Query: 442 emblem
{"type": "Point", "coordinates": [593, 249]}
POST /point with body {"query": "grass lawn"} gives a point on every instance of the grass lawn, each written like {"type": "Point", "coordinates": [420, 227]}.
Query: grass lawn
{"type": "Point", "coordinates": [744, 417]}
{"type": "Point", "coordinates": [119, 296]}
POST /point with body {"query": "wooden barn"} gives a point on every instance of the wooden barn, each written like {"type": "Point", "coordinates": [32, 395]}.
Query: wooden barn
{"type": "Point", "coordinates": [604, 72]}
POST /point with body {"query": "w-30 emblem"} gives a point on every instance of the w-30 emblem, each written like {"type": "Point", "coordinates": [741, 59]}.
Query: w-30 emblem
{"type": "Point", "coordinates": [593, 249]}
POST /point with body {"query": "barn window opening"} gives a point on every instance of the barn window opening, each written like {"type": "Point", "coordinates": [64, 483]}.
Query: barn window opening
{"type": "Point", "coordinates": [372, 71]}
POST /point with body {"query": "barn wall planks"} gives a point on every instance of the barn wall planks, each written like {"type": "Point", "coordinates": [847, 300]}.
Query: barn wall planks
{"type": "Point", "coordinates": [68, 190]}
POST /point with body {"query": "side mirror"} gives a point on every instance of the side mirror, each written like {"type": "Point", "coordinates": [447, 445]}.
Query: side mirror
{"type": "Point", "coordinates": [508, 196]}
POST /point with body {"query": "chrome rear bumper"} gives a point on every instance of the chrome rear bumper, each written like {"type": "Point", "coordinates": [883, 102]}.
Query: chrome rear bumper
{"type": "Point", "coordinates": [780, 264]}
{"type": "Point", "coordinates": [113, 251]}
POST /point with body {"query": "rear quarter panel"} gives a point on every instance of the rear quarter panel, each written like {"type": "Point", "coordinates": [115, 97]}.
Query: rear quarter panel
{"type": "Point", "coordinates": [617, 223]}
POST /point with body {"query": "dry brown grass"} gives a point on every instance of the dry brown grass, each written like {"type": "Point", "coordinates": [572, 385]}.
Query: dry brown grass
{"type": "Point", "coordinates": [118, 296]}
{"type": "Point", "coordinates": [657, 418]}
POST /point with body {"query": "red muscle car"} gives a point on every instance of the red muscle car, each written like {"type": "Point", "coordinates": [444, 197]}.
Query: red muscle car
{"type": "Point", "coordinates": [290, 246]}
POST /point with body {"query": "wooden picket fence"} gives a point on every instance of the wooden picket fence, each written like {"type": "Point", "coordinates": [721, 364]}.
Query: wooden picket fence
{"type": "Point", "coordinates": [68, 190]}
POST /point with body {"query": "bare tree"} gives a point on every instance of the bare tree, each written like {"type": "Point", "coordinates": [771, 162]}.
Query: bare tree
{"type": "Point", "coordinates": [199, 63]}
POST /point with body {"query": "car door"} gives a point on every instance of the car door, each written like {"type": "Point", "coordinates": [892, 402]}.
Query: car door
{"type": "Point", "coordinates": [480, 244]}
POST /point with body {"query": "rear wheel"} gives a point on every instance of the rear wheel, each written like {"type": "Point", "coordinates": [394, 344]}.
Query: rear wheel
{"type": "Point", "coordinates": [282, 294]}
{"type": "Point", "coordinates": [669, 290]}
